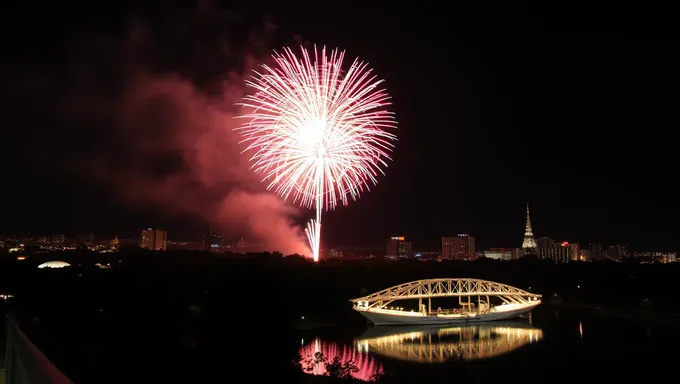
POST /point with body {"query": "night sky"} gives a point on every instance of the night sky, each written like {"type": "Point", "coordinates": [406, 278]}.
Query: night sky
{"type": "Point", "coordinates": [571, 110]}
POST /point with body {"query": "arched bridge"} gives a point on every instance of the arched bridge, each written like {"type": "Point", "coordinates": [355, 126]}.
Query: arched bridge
{"type": "Point", "coordinates": [432, 288]}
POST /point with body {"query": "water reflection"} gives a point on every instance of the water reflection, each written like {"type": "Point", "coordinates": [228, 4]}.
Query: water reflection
{"type": "Point", "coordinates": [367, 366]}
{"type": "Point", "coordinates": [440, 344]}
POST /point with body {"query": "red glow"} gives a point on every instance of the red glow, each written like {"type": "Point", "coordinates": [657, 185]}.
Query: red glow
{"type": "Point", "coordinates": [565, 244]}
{"type": "Point", "coordinates": [211, 181]}
{"type": "Point", "coordinates": [368, 366]}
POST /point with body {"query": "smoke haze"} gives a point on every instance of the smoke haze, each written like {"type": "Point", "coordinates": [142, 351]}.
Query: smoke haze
{"type": "Point", "coordinates": [148, 113]}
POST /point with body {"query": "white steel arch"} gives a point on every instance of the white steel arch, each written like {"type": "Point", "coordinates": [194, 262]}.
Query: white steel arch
{"type": "Point", "coordinates": [451, 287]}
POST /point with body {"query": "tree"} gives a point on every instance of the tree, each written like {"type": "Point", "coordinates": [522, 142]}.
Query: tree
{"type": "Point", "coordinates": [340, 370]}
{"type": "Point", "coordinates": [333, 368]}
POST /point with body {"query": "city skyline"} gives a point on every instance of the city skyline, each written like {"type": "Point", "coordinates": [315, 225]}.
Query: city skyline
{"type": "Point", "coordinates": [226, 239]}
{"type": "Point", "coordinates": [491, 116]}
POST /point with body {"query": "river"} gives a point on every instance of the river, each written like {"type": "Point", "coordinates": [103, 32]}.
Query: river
{"type": "Point", "coordinates": [552, 344]}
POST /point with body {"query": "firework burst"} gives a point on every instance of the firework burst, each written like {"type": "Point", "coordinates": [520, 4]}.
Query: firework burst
{"type": "Point", "coordinates": [319, 134]}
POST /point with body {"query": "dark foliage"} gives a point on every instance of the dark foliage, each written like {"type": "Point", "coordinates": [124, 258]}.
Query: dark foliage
{"type": "Point", "coordinates": [199, 317]}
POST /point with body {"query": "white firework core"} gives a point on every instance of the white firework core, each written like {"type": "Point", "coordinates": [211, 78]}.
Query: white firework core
{"type": "Point", "coordinates": [319, 135]}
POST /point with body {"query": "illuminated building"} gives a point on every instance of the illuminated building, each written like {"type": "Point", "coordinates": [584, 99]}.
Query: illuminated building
{"type": "Point", "coordinates": [659, 257]}
{"type": "Point", "coordinates": [575, 251]}
{"type": "Point", "coordinates": [618, 252]}
{"type": "Point", "coordinates": [561, 252]}
{"type": "Point", "coordinates": [398, 248]}
{"type": "Point", "coordinates": [595, 251]}
{"type": "Point", "coordinates": [154, 239]}
{"type": "Point", "coordinates": [461, 247]}
{"type": "Point", "coordinates": [529, 244]}
{"type": "Point", "coordinates": [504, 253]}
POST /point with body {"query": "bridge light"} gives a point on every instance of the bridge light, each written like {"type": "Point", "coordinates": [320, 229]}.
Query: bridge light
{"type": "Point", "coordinates": [302, 317]}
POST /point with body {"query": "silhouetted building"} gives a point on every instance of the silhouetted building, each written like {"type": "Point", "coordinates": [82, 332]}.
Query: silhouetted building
{"type": "Point", "coordinates": [115, 244]}
{"type": "Point", "coordinates": [498, 254]}
{"type": "Point", "coordinates": [657, 257]}
{"type": "Point", "coordinates": [398, 248]}
{"type": "Point", "coordinates": [618, 252]}
{"type": "Point", "coordinates": [595, 251]}
{"type": "Point", "coordinates": [545, 242]}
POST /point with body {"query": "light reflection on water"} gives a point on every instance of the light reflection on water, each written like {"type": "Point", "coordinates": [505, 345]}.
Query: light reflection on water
{"type": "Point", "coordinates": [421, 344]}
{"type": "Point", "coordinates": [435, 345]}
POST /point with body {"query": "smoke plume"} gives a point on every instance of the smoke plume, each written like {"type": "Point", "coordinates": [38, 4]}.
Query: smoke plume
{"type": "Point", "coordinates": [150, 114]}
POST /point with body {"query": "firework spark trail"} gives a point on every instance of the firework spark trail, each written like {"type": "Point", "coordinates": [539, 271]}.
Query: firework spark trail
{"type": "Point", "coordinates": [318, 134]}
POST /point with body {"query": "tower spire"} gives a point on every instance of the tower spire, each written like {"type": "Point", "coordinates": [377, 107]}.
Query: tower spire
{"type": "Point", "coordinates": [529, 244]}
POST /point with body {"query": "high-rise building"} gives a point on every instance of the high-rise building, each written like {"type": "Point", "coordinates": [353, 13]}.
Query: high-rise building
{"type": "Point", "coordinates": [461, 247]}
{"type": "Point", "coordinates": [545, 242]}
{"type": "Point", "coordinates": [618, 252]}
{"type": "Point", "coordinates": [398, 248]}
{"type": "Point", "coordinates": [504, 253]}
{"type": "Point", "coordinates": [595, 250]}
{"type": "Point", "coordinates": [154, 239]}
{"type": "Point", "coordinates": [529, 244]}
{"type": "Point", "coordinates": [561, 252]}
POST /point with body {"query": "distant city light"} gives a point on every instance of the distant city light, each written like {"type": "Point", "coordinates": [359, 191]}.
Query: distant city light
{"type": "Point", "coordinates": [54, 264]}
